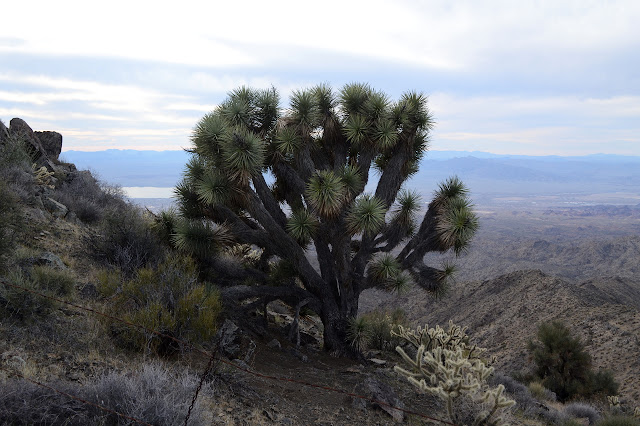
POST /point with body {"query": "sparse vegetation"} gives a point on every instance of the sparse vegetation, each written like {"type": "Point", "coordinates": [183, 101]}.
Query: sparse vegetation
{"type": "Point", "coordinates": [58, 282]}
{"type": "Point", "coordinates": [125, 240]}
{"type": "Point", "coordinates": [21, 305]}
{"type": "Point", "coordinates": [373, 330]}
{"type": "Point", "coordinates": [619, 420]}
{"type": "Point", "coordinates": [153, 394]}
{"type": "Point", "coordinates": [168, 298]}
{"type": "Point", "coordinates": [10, 223]}
{"type": "Point", "coordinates": [89, 199]}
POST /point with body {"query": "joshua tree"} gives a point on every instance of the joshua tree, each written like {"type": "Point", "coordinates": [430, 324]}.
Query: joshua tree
{"type": "Point", "coordinates": [319, 153]}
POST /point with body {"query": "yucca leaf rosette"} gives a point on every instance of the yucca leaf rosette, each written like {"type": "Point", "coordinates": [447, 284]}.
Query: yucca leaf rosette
{"type": "Point", "coordinates": [326, 193]}
{"type": "Point", "coordinates": [366, 215]}
{"type": "Point", "coordinates": [200, 237]}
{"type": "Point", "coordinates": [302, 225]}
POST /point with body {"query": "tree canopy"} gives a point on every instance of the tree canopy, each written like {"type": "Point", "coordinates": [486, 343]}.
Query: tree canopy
{"type": "Point", "coordinates": [291, 182]}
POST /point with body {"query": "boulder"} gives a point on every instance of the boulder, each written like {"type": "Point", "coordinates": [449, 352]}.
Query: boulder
{"type": "Point", "coordinates": [21, 130]}
{"type": "Point", "coordinates": [55, 208]}
{"type": "Point", "coordinates": [382, 393]}
{"type": "Point", "coordinates": [234, 343]}
{"type": "Point", "coordinates": [47, 258]}
{"type": "Point", "coordinates": [51, 142]}
{"type": "Point", "coordinates": [4, 132]}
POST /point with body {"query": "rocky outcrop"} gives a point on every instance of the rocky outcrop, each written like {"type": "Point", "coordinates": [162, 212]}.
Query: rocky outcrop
{"type": "Point", "coordinates": [4, 132]}
{"type": "Point", "coordinates": [51, 142]}
{"type": "Point", "coordinates": [43, 154]}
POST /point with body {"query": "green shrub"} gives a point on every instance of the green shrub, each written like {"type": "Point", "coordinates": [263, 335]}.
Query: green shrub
{"type": "Point", "coordinates": [13, 153]}
{"type": "Point", "coordinates": [619, 421]}
{"type": "Point", "coordinates": [359, 333]}
{"type": "Point", "coordinates": [10, 223]}
{"type": "Point", "coordinates": [126, 241]}
{"type": "Point", "coordinates": [56, 281]}
{"type": "Point", "coordinates": [381, 325]}
{"type": "Point", "coordinates": [538, 390]}
{"type": "Point", "coordinates": [168, 299]}
{"type": "Point", "coordinates": [602, 382]}
{"type": "Point", "coordinates": [88, 198]}
{"type": "Point", "coordinates": [564, 366]}
{"type": "Point", "coordinates": [22, 305]}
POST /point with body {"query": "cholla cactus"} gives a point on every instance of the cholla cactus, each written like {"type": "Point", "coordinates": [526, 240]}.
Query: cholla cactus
{"type": "Point", "coordinates": [614, 401]}
{"type": "Point", "coordinates": [42, 175]}
{"type": "Point", "coordinates": [447, 366]}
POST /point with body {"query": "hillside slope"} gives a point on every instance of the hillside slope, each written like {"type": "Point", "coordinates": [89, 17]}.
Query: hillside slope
{"type": "Point", "coordinates": [503, 314]}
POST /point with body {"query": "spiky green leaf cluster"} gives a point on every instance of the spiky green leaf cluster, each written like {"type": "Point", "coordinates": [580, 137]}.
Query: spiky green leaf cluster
{"type": "Point", "coordinates": [208, 133]}
{"type": "Point", "coordinates": [326, 193]}
{"type": "Point", "coordinates": [212, 188]}
{"type": "Point", "coordinates": [405, 213]}
{"type": "Point", "coordinates": [386, 273]}
{"type": "Point", "coordinates": [201, 238]}
{"type": "Point", "coordinates": [359, 333]}
{"type": "Point", "coordinates": [353, 97]}
{"type": "Point", "coordinates": [288, 141]}
{"type": "Point", "coordinates": [304, 108]}
{"type": "Point", "coordinates": [352, 180]}
{"type": "Point", "coordinates": [302, 225]}
{"type": "Point", "coordinates": [356, 129]}
{"type": "Point", "coordinates": [457, 222]}
{"type": "Point", "coordinates": [243, 154]}
{"type": "Point", "coordinates": [366, 215]}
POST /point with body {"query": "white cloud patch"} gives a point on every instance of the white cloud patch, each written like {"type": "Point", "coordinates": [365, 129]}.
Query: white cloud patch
{"type": "Point", "coordinates": [435, 34]}
{"type": "Point", "coordinates": [537, 125]}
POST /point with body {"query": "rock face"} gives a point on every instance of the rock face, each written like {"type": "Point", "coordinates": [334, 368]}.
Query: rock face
{"type": "Point", "coordinates": [383, 393]}
{"type": "Point", "coordinates": [20, 129]}
{"type": "Point", "coordinates": [51, 142]}
{"type": "Point", "coordinates": [4, 132]}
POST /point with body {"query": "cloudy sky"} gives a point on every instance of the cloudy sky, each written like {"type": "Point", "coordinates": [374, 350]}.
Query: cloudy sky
{"type": "Point", "coordinates": [508, 77]}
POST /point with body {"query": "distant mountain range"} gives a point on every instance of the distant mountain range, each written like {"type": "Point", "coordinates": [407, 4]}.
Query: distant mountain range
{"type": "Point", "coordinates": [485, 173]}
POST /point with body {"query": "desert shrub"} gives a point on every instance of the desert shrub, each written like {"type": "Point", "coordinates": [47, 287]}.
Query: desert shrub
{"type": "Point", "coordinates": [22, 305]}
{"type": "Point", "coordinates": [603, 383]}
{"type": "Point", "coordinates": [153, 395]}
{"type": "Point", "coordinates": [580, 410]}
{"type": "Point", "coordinates": [570, 422]}
{"type": "Point", "coordinates": [164, 223]}
{"type": "Point", "coordinates": [381, 325]}
{"type": "Point", "coordinates": [373, 330]}
{"type": "Point", "coordinates": [564, 366]}
{"type": "Point", "coordinates": [538, 390]}
{"type": "Point", "coordinates": [24, 403]}
{"type": "Point", "coordinates": [126, 241]}
{"type": "Point", "coordinates": [446, 365]}
{"type": "Point", "coordinates": [16, 169]}
{"type": "Point", "coordinates": [359, 333]}
{"type": "Point", "coordinates": [88, 198]}
{"type": "Point", "coordinates": [619, 420]}
{"type": "Point", "coordinates": [169, 299]}
{"type": "Point", "coordinates": [10, 223]}
{"type": "Point", "coordinates": [56, 281]}
{"type": "Point", "coordinates": [525, 401]}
